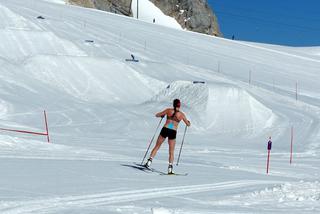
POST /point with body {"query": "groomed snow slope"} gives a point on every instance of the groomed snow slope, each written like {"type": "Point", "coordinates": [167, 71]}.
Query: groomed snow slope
{"type": "Point", "coordinates": [101, 117]}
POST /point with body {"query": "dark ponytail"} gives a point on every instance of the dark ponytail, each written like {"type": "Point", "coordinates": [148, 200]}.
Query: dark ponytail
{"type": "Point", "coordinates": [176, 104]}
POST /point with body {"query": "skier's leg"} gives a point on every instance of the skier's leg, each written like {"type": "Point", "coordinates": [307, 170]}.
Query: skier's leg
{"type": "Point", "coordinates": [157, 146]}
{"type": "Point", "coordinates": [172, 144]}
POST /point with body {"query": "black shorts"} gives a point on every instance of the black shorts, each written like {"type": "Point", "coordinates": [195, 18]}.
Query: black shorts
{"type": "Point", "coordinates": [170, 133]}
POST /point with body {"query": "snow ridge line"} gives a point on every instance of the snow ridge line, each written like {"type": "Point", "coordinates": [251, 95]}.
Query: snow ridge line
{"type": "Point", "coordinates": [120, 197]}
{"type": "Point", "coordinates": [279, 52]}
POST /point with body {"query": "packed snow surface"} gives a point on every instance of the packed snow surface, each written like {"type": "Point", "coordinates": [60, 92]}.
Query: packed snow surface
{"type": "Point", "coordinates": [71, 62]}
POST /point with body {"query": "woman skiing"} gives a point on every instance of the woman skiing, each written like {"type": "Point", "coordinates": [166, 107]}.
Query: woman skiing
{"type": "Point", "coordinates": [174, 116]}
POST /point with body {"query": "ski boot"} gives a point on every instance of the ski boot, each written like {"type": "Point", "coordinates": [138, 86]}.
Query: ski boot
{"type": "Point", "coordinates": [148, 163]}
{"type": "Point", "coordinates": [170, 169]}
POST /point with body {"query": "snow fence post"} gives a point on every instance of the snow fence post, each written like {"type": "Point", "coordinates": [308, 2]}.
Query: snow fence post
{"type": "Point", "coordinates": [46, 124]}
{"type": "Point", "coordinates": [137, 9]}
{"type": "Point", "coordinates": [269, 150]}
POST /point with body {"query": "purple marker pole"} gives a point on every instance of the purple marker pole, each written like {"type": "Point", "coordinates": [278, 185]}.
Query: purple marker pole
{"type": "Point", "coordinates": [269, 150]}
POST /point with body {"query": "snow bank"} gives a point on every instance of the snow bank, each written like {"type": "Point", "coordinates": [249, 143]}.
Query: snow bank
{"type": "Point", "coordinates": [192, 96]}
{"type": "Point", "coordinates": [160, 211]}
{"type": "Point", "coordinates": [298, 194]}
{"type": "Point", "coordinates": [19, 45]}
{"type": "Point", "coordinates": [222, 107]}
{"type": "Point", "coordinates": [148, 11]}
{"type": "Point", "coordinates": [291, 192]}
{"type": "Point", "coordinates": [56, 1]}
{"type": "Point", "coordinates": [230, 108]}
{"type": "Point", "coordinates": [109, 81]}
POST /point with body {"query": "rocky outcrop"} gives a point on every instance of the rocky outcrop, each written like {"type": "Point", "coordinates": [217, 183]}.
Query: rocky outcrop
{"type": "Point", "coordinates": [83, 3]}
{"type": "Point", "coordinates": [115, 6]}
{"type": "Point", "coordinates": [194, 15]}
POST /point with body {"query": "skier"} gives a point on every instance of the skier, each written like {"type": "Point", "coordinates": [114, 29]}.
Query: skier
{"type": "Point", "coordinates": [174, 116]}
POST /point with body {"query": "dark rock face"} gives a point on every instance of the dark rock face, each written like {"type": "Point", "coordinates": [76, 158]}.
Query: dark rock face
{"type": "Point", "coordinates": [114, 6]}
{"type": "Point", "coordinates": [194, 15]}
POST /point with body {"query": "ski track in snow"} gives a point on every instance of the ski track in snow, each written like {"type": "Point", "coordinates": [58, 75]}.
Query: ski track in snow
{"type": "Point", "coordinates": [61, 203]}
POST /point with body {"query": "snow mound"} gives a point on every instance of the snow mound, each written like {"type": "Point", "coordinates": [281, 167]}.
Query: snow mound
{"type": "Point", "coordinates": [192, 96]}
{"type": "Point", "coordinates": [104, 81]}
{"type": "Point", "coordinates": [230, 108]}
{"type": "Point", "coordinates": [291, 192]}
{"type": "Point", "coordinates": [17, 46]}
{"type": "Point", "coordinates": [283, 195]}
{"type": "Point", "coordinates": [221, 107]}
{"type": "Point", "coordinates": [160, 211]}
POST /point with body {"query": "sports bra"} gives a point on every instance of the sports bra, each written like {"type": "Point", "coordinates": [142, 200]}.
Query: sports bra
{"type": "Point", "coordinates": [173, 117]}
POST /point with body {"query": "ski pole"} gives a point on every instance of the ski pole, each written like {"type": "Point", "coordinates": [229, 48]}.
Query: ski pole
{"type": "Point", "coordinates": [184, 134]}
{"type": "Point", "coordinates": [269, 150]}
{"type": "Point", "coordinates": [151, 141]}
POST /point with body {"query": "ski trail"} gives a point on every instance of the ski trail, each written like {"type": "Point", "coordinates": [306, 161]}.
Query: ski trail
{"type": "Point", "coordinates": [120, 197]}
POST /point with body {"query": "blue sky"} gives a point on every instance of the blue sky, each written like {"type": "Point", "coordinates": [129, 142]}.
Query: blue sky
{"type": "Point", "coordinates": [285, 22]}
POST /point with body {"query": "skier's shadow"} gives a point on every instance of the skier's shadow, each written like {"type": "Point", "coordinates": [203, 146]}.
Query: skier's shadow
{"type": "Point", "coordinates": [135, 167]}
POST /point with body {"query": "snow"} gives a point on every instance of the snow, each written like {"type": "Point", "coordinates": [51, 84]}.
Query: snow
{"type": "Point", "coordinates": [56, 1]}
{"type": "Point", "coordinates": [101, 117]}
{"type": "Point", "coordinates": [148, 11]}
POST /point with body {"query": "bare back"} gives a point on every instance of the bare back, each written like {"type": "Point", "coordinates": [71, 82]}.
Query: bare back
{"type": "Point", "coordinates": [172, 121]}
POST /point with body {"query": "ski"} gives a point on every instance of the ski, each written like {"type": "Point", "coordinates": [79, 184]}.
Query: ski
{"type": "Point", "coordinates": [143, 168]}
{"type": "Point", "coordinates": [146, 168]}
{"type": "Point", "coordinates": [174, 174]}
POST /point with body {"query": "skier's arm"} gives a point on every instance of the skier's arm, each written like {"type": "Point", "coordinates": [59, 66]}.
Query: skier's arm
{"type": "Point", "coordinates": [186, 121]}
{"type": "Point", "coordinates": [162, 114]}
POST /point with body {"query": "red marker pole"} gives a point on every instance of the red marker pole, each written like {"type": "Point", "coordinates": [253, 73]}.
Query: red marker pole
{"type": "Point", "coordinates": [269, 150]}
{"type": "Point", "coordinates": [291, 147]}
{"type": "Point", "coordinates": [46, 123]}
